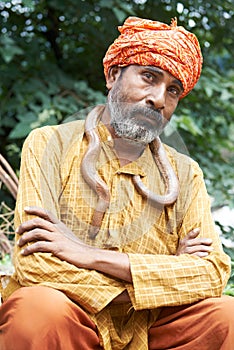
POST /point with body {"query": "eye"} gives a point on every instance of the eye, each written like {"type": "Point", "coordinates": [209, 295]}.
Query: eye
{"type": "Point", "coordinates": [175, 90]}
{"type": "Point", "coordinates": [148, 76]}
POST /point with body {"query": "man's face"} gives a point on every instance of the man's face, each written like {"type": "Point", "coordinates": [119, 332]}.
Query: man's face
{"type": "Point", "coordinates": [141, 102]}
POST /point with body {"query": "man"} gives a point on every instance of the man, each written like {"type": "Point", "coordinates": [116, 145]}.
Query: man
{"type": "Point", "coordinates": [116, 247]}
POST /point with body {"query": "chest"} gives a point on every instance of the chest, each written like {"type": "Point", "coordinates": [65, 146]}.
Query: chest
{"type": "Point", "coordinates": [130, 222]}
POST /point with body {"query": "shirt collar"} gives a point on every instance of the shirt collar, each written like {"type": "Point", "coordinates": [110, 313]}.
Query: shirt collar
{"type": "Point", "coordinates": [142, 166]}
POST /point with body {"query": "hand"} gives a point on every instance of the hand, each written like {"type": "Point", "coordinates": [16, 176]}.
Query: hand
{"type": "Point", "coordinates": [195, 246]}
{"type": "Point", "coordinates": [47, 234]}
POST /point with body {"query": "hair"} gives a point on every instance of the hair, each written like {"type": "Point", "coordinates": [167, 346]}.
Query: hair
{"type": "Point", "coordinates": [122, 70]}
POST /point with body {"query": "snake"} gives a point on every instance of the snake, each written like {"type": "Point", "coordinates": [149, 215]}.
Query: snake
{"type": "Point", "coordinates": [91, 177]}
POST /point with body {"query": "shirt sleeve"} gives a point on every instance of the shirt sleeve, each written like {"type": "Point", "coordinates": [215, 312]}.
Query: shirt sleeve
{"type": "Point", "coordinates": [40, 185]}
{"type": "Point", "coordinates": [169, 280]}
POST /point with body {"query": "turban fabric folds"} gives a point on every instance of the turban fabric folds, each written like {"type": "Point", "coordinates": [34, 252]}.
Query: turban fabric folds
{"type": "Point", "coordinates": [151, 43]}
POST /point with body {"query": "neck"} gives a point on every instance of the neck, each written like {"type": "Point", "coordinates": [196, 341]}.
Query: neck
{"type": "Point", "coordinates": [127, 150]}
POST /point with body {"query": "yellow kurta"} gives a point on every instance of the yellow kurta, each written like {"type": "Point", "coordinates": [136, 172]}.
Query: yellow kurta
{"type": "Point", "coordinates": [50, 177]}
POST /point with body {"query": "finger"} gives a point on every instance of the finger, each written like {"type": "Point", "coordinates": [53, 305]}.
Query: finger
{"type": "Point", "coordinates": [33, 224]}
{"type": "Point", "coordinates": [42, 213]}
{"type": "Point", "coordinates": [198, 241]}
{"type": "Point", "coordinates": [194, 233]}
{"type": "Point", "coordinates": [36, 247]}
{"type": "Point", "coordinates": [201, 254]}
{"type": "Point", "coordinates": [198, 248]}
{"type": "Point", "coordinates": [35, 235]}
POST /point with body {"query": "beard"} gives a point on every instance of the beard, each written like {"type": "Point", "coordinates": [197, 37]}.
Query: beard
{"type": "Point", "coordinates": [136, 123]}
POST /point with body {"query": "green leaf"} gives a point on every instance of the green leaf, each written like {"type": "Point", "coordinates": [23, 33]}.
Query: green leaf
{"type": "Point", "coordinates": [187, 123]}
{"type": "Point", "coordinates": [208, 90]}
{"type": "Point", "coordinates": [21, 130]}
{"type": "Point", "coordinates": [30, 4]}
{"type": "Point", "coordinates": [119, 14]}
{"type": "Point", "coordinates": [106, 3]}
{"type": "Point", "coordinates": [8, 48]}
{"type": "Point", "coordinates": [226, 95]}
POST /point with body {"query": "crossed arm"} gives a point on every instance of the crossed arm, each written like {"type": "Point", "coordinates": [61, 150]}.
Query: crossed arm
{"type": "Point", "coordinates": [49, 254]}
{"type": "Point", "coordinates": [47, 234]}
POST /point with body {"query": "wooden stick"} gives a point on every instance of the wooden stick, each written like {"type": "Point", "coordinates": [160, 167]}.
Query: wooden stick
{"type": "Point", "coordinates": [9, 169]}
{"type": "Point", "coordinates": [8, 176]}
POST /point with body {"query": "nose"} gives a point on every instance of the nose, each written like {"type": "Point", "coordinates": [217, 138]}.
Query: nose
{"type": "Point", "coordinates": [156, 98]}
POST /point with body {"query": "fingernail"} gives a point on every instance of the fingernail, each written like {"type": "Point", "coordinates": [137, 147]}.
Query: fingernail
{"type": "Point", "coordinates": [22, 252]}
{"type": "Point", "coordinates": [26, 208]}
{"type": "Point", "coordinates": [17, 230]}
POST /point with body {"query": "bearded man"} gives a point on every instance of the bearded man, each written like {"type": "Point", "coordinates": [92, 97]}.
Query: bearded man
{"type": "Point", "coordinates": [116, 247]}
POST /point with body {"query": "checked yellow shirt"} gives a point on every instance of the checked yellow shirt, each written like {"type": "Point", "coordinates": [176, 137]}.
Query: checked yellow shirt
{"type": "Point", "coordinates": [50, 177]}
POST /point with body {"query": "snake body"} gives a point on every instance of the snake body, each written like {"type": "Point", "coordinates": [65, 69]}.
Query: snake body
{"type": "Point", "coordinates": [90, 175]}
{"type": "Point", "coordinates": [89, 172]}
{"type": "Point", "coordinates": [168, 175]}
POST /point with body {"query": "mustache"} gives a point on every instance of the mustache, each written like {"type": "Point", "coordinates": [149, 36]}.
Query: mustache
{"type": "Point", "coordinates": [148, 112]}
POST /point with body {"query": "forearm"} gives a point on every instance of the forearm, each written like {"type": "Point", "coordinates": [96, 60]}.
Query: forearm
{"type": "Point", "coordinates": [112, 263]}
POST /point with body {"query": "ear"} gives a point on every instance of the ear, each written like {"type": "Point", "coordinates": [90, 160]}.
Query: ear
{"type": "Point", "coordinates": [113, 74]}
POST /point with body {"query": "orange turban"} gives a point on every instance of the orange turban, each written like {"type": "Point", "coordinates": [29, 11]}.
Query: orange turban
{"type": "Point", "coordinates": [151, 43]}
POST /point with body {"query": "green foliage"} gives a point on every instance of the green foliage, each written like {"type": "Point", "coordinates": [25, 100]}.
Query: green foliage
{"type": "Point", "coordinates": [6, 265]}
{"type": "Point", "coordinates": [209, 131]}
{"type": "Point", "coordinates": [9, 49]}
{"type": "Point", "coordinates": [229, 290]}
{"type": "Point", "coordinates": [51, 67]}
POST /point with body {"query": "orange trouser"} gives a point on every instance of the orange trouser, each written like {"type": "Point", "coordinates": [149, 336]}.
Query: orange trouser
{"type": "Point", "coordinates": [205, 325]}
{"type": "Point", "coordinates": [41, 318]}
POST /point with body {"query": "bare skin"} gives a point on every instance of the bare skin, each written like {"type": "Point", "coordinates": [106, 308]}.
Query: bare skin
{"type": "Point", "coordinates": [201, 247]}
{"type": "Point", "coordinates": [147, 86]}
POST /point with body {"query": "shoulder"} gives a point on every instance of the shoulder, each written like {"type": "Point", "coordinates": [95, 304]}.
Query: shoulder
{"type": "Point", "coordinates": [182, 163]}
{"type": "Point", "coordinates": [55, 136]}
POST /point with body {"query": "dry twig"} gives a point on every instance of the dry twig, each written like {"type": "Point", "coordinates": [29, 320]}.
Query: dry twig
{"type": "Point", "coordinates": [8, 176]}
{"type": "Point", "coordinates": [10, 180]}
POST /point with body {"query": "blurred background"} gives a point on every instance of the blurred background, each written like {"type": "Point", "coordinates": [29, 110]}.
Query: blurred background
{"type": "Point", "coordinates": [51, 67]}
